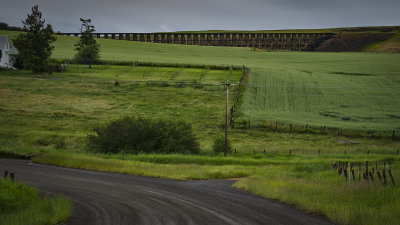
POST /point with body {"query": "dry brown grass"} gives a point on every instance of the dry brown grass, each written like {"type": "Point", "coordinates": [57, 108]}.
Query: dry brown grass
{"type": "Point", "coordinates": [390, 45]}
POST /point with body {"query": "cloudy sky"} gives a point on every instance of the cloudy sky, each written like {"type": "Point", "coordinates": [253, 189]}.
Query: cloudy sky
{"type": "Point", "coordinates": [181, 15]}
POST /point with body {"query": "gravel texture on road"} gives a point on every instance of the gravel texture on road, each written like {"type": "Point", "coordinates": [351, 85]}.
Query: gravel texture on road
{"type": "Point", "coordinates": [100, 198]}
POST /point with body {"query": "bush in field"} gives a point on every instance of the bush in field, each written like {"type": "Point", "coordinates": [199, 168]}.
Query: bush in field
{"type": "Point", "coordinates": [219, 145]}
{"type": "Point", "coordinates": [135, 135]}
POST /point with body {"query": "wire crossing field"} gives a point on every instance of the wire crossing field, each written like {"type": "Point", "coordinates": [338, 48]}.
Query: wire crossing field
{"type": "Point", "coordinates": [347, 100]}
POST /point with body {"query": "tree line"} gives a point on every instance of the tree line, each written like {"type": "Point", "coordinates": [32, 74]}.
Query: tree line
{"type": "Point", "coordinates": [5, 26]}
{"type": "Point", "coordinates": [35, 44]}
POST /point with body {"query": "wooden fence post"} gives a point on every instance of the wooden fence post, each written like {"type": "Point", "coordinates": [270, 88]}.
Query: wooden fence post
{"type": "Point", "coordinates": [379, 176]}
{"type": "Point", "coordinates": [384, 176]}
{"type": "Point", "coordinates": [371, 176]}
{"type": "Point", "coordinates": [391, 177]}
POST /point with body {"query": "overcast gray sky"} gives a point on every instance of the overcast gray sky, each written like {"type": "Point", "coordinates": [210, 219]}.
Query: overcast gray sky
{"type": "Point", "coordinates": [180, 15]}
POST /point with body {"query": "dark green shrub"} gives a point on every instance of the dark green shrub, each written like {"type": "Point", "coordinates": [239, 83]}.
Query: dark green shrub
{"type": "Point", "coordinates": [136, 135]}
{"type": "Point", "coordinates": [54, 67]}
{"type": "Point", "coordinates": [219, 145]}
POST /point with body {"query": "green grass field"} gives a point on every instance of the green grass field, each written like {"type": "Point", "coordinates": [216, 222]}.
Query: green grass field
{"type": "Point", "coordinates": [20, 204]}
{"type": "Point", "coordinates": [356, 91]}
{"type": "Point", "coordinates": [50, 118]}
{"type": "Point", "coordinates": [348, 100]}
{"type": "Point", "coordinates": [61, 111]}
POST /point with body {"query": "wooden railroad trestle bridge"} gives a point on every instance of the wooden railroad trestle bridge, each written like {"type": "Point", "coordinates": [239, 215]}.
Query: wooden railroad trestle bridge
{"type": "Point", "coordinates": [269, 41]}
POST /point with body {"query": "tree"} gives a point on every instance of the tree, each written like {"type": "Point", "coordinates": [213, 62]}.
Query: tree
{"type": "Point", "coordinates": [88, 50]}
{"type": "Point", "coordinates": [34, 46]}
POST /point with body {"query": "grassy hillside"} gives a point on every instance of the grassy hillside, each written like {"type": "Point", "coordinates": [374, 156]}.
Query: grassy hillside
{"type": "Point", "coordinates": [51, 116]}
{"type": "Point", "coordinates": [60, 112]}
{"type": "Point", "coordinates": [390, 45]}
{"type": "Point", "coordinates": [333, 99]}
{"type": "Point", "coordinates": [346, 90]}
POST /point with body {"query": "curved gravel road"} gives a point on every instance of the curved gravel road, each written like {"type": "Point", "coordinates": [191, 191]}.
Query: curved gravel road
{"type": "Point", "coordinates": [116, 199]}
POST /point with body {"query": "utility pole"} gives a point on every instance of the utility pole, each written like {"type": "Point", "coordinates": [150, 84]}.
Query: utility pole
{"type": "Point", "coordinates": [226, 118]}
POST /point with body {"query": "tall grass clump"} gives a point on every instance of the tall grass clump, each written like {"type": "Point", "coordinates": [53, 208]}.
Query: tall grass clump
{"type": "Point", "coordinates": [219, 145]}
{"type": "Point", "coordinates": [141, 135]}
{"type": "Point", "coordinates": [170, 170]}
{"type": "Point", "coordinates": [315, 188]}
{"type": "Point", "coordinates": [22, 205]}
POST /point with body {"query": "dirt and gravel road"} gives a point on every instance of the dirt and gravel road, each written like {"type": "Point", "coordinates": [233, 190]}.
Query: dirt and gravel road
{"type": "Point", "coordinates": [116, 199]}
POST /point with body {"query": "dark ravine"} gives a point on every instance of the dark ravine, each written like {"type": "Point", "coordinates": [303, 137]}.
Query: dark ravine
{"type": "Point", "coordinates": [117, 199]}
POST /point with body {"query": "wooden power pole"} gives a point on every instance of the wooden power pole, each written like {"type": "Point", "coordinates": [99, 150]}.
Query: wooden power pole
{"type": "Point", "coordinates": [226, 118]}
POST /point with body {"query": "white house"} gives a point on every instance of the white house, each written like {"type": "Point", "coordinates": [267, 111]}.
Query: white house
{"type": "Point", "coordinates": [7, 52]}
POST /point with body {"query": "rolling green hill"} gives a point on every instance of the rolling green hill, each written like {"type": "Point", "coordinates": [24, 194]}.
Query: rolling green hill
{"type": "Point", "coordinates": [346, 90]}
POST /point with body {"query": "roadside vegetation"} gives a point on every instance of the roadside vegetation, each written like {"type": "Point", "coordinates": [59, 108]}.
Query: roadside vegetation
{"type": "Point", "coordinates": [49, 117]}
{"type": "Point", "coordinates": [313, 186]}
{"type": "Point", "coordinates": [305, 180]}
{"type": "Point", "coordinates": [22, 205]}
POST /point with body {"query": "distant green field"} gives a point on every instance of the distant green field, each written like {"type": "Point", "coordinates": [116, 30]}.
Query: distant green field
{"type": "Point", "coordinates": [358, 91]}
{"type": "Point", "coordinates": [364, 101]}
